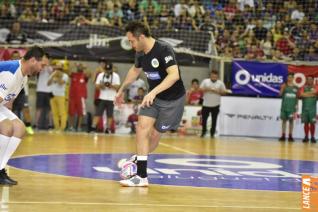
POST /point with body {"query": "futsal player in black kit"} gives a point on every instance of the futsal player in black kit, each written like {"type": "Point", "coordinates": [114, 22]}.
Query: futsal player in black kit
{"type": "Point", "coordinates": [162, 108]}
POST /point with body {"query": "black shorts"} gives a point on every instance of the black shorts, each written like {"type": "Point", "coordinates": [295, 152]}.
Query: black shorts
{"type": "Point", "coordinates": [168, 114]}
{"type": "Point", "coordinates": [105, 105]}
{"type": "Point", "coordinates": [20, 102]}
{"type": "Point", "coordinates": [43, 100]}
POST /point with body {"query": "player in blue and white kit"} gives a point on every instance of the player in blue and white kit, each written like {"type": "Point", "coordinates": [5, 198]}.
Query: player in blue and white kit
{"type": "Point", "coordinates": [13, 76]}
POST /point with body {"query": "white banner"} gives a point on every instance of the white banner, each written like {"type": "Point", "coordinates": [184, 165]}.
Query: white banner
{"type": "Point", "coordinates": [257, 117]}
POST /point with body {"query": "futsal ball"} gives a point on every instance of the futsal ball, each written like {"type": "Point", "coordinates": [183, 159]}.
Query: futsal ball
{"type": "Point", "coordinates": [128, 170]}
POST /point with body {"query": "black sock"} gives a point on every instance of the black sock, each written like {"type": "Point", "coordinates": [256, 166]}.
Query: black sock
{"type": "Point", "coordinates": [27, 124]}
{"type": "Point", "coordinates": [141, 168]}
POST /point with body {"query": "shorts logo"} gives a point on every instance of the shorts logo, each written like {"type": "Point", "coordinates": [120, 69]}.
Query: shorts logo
{"type": "Point", "coordinates": [155, 63]}
{"type": "Point", "coordinates": [165, 127]}
{"type": "Point", "coordinates": [168, 58]}
{"type": "Point", "coordinates": [3, 86]}
{"type": "Point", "coordinates": [153, 75]}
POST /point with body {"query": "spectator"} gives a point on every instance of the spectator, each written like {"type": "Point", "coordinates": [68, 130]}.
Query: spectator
{"type": "Point", "coordinates": [107, 82]}
{"type": "Point", "coordinates": [308, 93]}
{"type": "Point", "coordinates": [260, 31]}
{"type": "Point", "coordinates": [57, 81]}
{"type": "Point", "coordinates": [133, 88]}
{"type": "Point", "coordinates": [285, 44]}
{"type": "Point", "coordinates": [180, 8]}
{"type": "Point", "coordinates": [43, 95]}
{"type": "Point", "coordinates": [132, 120]}
{"type": "Point", "coordinates": [212, 89]}
{"type": "Point", "coordinates": [140, 96]}
{"type": "Point", "coordinates": [145, 4]}
{"type": "Point", "coordinates": [16, 36]}
{"type": "Point", "coordinates": [115, 16]}
{"type": "Point", "coordinates": [194, 94]}
{"type": "Point", "coordinates": [312, 54]}
{"type": "Point", "coordinates": [277, 31]}
{"type": "Point", "coordinates": [313, 32]}
{"type": "Point", "coordinates": [243, 3]}
{"type": "Point", "coordinates": [77, 97]}
{"type": "Point", "coordinates": [27, 15]}
{"type": "Point", "coordinates": [267, 45]}
{"type": "Point", "coordinates": [195, 8]}
{"type": "Point", "coordinates": [131, 11]}
{"type": "Point", "coordinates": [298, 13]}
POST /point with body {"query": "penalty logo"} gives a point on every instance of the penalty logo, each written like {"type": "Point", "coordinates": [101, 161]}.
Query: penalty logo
{"type": "Point", "coordinates": [155, 63]}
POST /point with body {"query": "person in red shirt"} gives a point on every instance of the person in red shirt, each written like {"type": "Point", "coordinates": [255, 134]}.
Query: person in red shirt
{"type": "Point", "coordinates": [286, 44]}
{"type": "Point", "coordinates": [194, 94]}
{"type": "Point", "coordinates": [77, 96]}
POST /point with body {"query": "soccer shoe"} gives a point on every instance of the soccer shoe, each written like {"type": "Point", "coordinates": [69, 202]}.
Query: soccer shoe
{"type": "Point", "coordinates": [29, 130]}
{"type": "Point", "coordinates": [291, 139]}
{"type": "Point", "coordinates": [123, 160]}
{"type": "Point", "coordinates": [135, 181]}
{"type": "Point", "coordinates": [5, 179]}
{"type": "Point", "coordinates": [305, 140]}
{"type": "Point", "coordinates": [282, 138]}
{"type": "Point", "coordinates": [313, 140]}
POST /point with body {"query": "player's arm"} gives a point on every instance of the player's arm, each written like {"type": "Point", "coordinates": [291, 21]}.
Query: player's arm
{"type": "Point", "coordinates": [170, 79]}
{"type": "Point", "coordinates": [282, 89]}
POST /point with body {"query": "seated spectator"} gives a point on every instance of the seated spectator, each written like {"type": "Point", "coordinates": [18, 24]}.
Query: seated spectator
{"type": "Point", "coordinates": [27, 15]}
{"type": "Point", "coordinates": [132, 120]}
{"type": "Point", "coordinates": [140, 96]}
{"type": "Point", "coordinates": [285, 44]}
{"type": "Point", "coordinates": [144, 4]}
{"type": "Point", "coordinates": [180, 8]}
{"type": "Point", "coordinates": [16, 36]}
{"type": "Point", "coordinates": [134, 87]}
{"type": "Point", "coordinates": [298, 13]}
{"type": "Point", "coordinates": [195, 8]}
{"type": "Point", "coordinates": [312, 54]}
{"type": "Point", "coordinates": [267, 45]}
{"type": "Point", "coordinates": [297, 54]}
{"type": "Point", "coordinates": [131, 11]}
{"type": "Point", "coordinates": [313, 32]}
{"type": "Point", "coordinates": [277, 31]}
{"type": "Point", "coordinates": [194, 94]}
{"type": "Point", "coordinates": [254, 52]}
{"type": "Point", "coordinates": [260, 31]}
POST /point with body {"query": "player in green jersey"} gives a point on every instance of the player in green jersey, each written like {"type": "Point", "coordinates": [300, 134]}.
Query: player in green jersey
{"type": "Point", "coordinates": [288, 92]}
{"type": "Point", "coordinates": [308, 93]}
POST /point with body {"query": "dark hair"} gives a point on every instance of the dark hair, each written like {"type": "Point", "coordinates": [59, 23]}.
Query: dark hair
{"type": "Point", "coordinates": [195, 80]}
{"type": "Point", "coordinates": [215, 72]}
{"type": "Point", "coordinates": [36, 52]}
{"type": "Point", "coordinates": [137, 28]}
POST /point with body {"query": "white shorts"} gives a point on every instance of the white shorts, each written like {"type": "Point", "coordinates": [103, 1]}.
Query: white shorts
{"type": "Point", "coordinates": [5, 113]}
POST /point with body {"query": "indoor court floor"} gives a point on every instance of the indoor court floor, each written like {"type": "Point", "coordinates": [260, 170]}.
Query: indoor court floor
{"type": "Point", "coordinates": [78, 172]}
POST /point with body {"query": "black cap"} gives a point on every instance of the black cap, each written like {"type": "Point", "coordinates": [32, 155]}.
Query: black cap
{"type": "Point", "coordinates": [109, 66]}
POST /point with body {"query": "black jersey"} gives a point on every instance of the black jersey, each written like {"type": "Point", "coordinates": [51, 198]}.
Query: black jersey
{"type": "Point", "coordinates": [154, 64]}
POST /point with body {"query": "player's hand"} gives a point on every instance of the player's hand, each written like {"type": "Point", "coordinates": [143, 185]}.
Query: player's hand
{"type": "Point", "coordinates": [148, 100]}
{"type": "Point", "coordinates": [119, 98]}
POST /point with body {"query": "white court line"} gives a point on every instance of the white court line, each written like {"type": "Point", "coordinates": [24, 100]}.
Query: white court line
{"type": "Point", "coordinates": [157, 205]}
{"type": "Point", "coordinates": [178, 148]}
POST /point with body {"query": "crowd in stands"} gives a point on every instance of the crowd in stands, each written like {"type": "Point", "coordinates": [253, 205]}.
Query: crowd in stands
{"type": "Point", "coordinates": [250, 29]}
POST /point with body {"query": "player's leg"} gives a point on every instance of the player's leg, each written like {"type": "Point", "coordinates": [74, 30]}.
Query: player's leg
{"type": "Point", "coordinates": [313, 125]}
{"type": "Point", "coordinates": [55, 112]}
{"type": "Point", "coordinates": [283, 117]}
{"type": "Point", "coordinates": [305, 120]}
{"type": "Point", "coordinates": [109, 114]}
{"type": "Point", "coordinates": [205, 115]}
{"type": "Point", "coordinates": [290, 130]}
{"type": "Point", "coordinates": [27, 116]}
{"type": "Point", "coordinates": [101, 106]}
{"type": "Point", "coordinates": [81, 112]}
{"type": "Point", "coordinates": [61, 102]}
{"type": "Point", "coordinates": [214, 117]}
{"type": "Point", "coordinates": [12, 130]}
{"type": "Point", "coordinates": [154, 140]}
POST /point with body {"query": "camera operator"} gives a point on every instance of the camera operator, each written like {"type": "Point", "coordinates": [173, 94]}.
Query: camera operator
{"type": "Point", "coordinates": [108, 83]}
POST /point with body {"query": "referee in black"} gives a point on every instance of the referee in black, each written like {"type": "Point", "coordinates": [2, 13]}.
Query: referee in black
{"type": "Point", "coordinates": [162, 108]}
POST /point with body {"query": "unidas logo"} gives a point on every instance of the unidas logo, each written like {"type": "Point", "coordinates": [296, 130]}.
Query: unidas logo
{"type": "Point", "coordinates": [243, 77]}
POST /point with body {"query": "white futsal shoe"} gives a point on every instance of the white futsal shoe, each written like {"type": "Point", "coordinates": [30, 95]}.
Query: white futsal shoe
{"type": "Point", "coordinates": [135, 181]}
{"type": "Point", "coordinates": [124, 160]}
